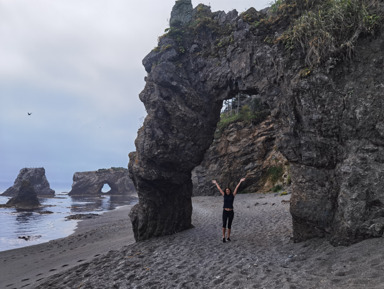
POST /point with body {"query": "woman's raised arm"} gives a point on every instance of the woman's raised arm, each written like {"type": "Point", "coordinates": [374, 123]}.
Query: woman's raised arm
{"type": "Point", "coordinates": [217, 185]}
{"type": "Point", "coordinates": [237, 187]}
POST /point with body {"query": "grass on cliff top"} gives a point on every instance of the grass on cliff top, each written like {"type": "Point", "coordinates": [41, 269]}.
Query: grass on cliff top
{"type": "Point", "coordinates": [320, 28]}
{"type": "Point", "coordinates": [329, 28]}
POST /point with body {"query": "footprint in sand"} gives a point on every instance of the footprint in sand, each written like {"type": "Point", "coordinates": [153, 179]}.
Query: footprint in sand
{"type": "Point", "coordinates": [25, 280]}
{"type": "Point", "coordinates": [65, 265]}
{"type": "Point", "coordinates": [52, 270]}
{"type": "Point", "coordinates": [81, 260]}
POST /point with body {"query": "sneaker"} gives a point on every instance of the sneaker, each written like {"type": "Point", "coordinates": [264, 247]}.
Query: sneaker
{"type": "Point", "coordinates": [228, 239]}
{"type": "Point", "coordinates": [223, 240]}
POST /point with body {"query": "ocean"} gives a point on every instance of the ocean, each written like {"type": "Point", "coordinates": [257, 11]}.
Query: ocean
{"type": "Point", "coordinates": [39, 227]}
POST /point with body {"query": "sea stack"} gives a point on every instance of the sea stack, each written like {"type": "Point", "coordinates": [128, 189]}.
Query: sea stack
{"type": "Point", "coordinates": [36, 178]}
{"type": "Point", "coordinates": [26, 198]}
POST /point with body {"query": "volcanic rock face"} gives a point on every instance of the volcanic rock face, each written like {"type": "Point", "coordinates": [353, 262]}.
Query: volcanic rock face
{"type": "Point", "coordinates": [328, 124]}
{"type": "Point", "coordinates": [91, 183]}
{"type": "Point", "coordinates": [335, 142]}
{"type": "Point", "coordinates": [26, 198]}
{"type": "Point", "coordinates": [242, 150]}
{"type": "Point", "coordinates": [181, 13]}
{"type": "Point", "coordinates": [37, 179]}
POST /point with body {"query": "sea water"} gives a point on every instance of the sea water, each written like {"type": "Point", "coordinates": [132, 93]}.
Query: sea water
{"type": "Point", "coordinates": [38, 226]}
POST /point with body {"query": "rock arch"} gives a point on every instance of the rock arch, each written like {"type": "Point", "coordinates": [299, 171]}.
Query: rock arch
{"type": "Point", "coordinates": [183, 97]}
{"type": "Point", "coordinates": [91, 183]}
{"type": "Point", "coordinates": [329, 121]}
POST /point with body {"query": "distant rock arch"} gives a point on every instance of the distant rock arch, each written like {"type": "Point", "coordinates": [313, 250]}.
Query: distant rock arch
{"type": "Point", "coordinates": [92, 182]}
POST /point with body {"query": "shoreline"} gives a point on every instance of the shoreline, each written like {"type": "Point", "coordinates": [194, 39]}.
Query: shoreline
{"type": "Point", "coordinates": [57, 218]}
{"type": "Point", "coordinates": [260, 255]}
{"type": "Point", "coordinates": [27, 266]}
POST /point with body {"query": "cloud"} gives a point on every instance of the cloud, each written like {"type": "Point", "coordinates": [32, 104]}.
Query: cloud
{"type": "Point", "coordinates": [76, 65]}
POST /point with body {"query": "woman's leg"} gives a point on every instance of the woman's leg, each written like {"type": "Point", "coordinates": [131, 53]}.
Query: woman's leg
{"type": "Point", "coordinates": [225, 218]}
{"type": "Point", "coordinates": [230, 219]}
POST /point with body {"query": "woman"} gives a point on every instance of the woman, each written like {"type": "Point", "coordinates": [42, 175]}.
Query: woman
{"type": "Point", "coordinates": [228, 213]}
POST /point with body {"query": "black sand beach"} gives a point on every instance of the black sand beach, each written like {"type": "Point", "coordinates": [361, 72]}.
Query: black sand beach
{"type": "Point", "coordinates": [102, 254]}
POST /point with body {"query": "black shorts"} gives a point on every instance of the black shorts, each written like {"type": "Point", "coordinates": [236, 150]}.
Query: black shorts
{"type": "Point", "coordinates": [228, 218]}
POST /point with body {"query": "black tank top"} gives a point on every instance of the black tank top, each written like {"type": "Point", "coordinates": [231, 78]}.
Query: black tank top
{"type": "Point", "coordinates": [228, 201]}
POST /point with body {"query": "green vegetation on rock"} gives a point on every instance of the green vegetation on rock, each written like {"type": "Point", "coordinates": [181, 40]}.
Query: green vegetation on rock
{"type": "Point", "coordinates": [245, 115]}
{"type": "Point", "coordinates": [203, 21]}
{"type": "Point", "coordinates": [274, 173]}
{"type": "Point", "coordinates": [328, 28]}
{"type": "Point", "coordinates": [277, 188]}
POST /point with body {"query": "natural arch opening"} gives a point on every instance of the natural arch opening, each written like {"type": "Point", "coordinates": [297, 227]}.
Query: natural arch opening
{"type": "Point", "coordinates": [106, 188]}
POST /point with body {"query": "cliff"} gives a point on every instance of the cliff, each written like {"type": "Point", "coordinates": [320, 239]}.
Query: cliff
{"type": "Point", "coordinates": [323, 84]}
{"type": "Point", "coordinates": [243, 150]}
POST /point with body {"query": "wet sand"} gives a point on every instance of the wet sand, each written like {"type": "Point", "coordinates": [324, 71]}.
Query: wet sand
{"type": "Point", "coordinates": [29, 266]}
{"type": "Point", "coordinates": [260, 255]}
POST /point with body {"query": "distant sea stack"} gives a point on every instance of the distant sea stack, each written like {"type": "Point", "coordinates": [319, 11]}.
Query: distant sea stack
{"type": "Point", "coordinates": [91, 183]}
{"type": "Point", "coordinates": [36, 178]}
{"type": "Point", "coordinates": [26, 198]}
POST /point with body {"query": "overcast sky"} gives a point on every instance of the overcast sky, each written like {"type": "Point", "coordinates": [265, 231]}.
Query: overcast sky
{"type": "Point", "coordinates": [76, 66]}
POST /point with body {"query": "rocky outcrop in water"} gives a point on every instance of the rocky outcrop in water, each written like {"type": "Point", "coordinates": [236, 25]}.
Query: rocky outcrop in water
{"type": "Point", "coordinates": [91, 183]}
{"type": "Point", "coordinates": [36, 177]}
{"type": "Point", "coordinates": [26, 198]}
{"type": "Point", "coordinates": [327, 122]}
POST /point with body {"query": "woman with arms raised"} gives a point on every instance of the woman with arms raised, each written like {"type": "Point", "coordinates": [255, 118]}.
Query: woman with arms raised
{"type": "Point", "coordinates": [228, 212]}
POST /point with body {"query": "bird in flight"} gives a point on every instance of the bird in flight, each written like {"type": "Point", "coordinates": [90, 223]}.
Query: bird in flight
{"type": "Point", "coordinates": [29, 113]}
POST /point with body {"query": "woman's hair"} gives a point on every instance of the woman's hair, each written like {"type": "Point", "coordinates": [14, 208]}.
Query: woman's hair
{"type": "Point", "coordinates": [230, 191]}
